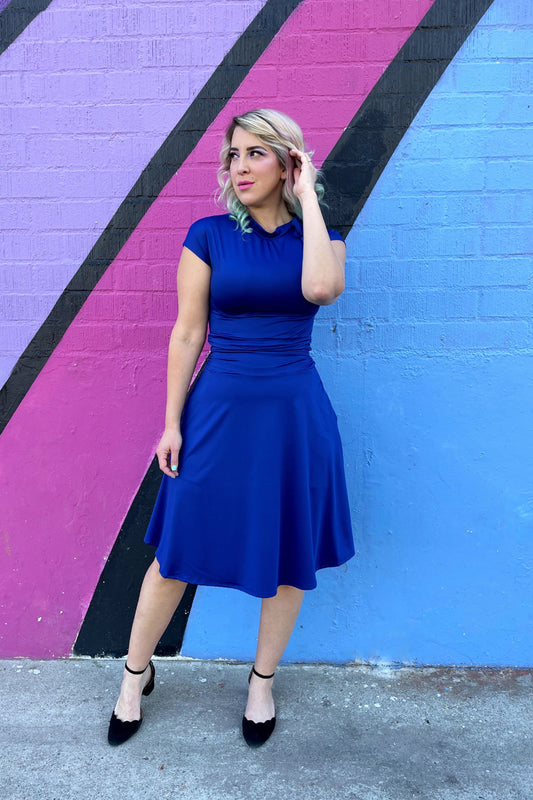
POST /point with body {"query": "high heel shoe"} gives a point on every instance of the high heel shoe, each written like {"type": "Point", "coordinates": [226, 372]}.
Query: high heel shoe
{"type": "Point", "coordinates": [256, 733]}
{"type": "Point", "coordinates": [120, 731]}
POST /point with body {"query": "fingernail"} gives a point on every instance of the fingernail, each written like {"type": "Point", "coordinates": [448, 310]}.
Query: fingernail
{"type": "Point", "coordinates": [174, 468]}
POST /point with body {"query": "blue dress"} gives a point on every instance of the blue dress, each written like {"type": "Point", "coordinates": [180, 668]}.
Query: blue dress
{"type": "Point", "coordinates": [260, 499]}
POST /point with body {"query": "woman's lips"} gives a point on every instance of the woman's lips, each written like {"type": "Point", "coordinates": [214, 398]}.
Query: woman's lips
{"type": "Point", "coordinates": [244, 184]}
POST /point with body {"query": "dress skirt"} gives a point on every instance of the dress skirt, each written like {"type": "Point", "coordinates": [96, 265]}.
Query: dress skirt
{"type": "Point", "coordinates": [260, 499]}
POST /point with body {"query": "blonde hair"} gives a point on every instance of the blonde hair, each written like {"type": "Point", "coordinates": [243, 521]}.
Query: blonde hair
{"type": "Point", "coordinates": [281, 133]}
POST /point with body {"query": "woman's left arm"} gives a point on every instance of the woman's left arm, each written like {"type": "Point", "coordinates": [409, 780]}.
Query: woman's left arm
{"type": "Point", "coordinates": [323, 259]}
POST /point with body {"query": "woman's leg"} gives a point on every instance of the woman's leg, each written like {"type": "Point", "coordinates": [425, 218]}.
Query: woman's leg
{"type": "Point", "coordinates": [278, 617]}
{"type": "Point", "coordinates": [158, 601]}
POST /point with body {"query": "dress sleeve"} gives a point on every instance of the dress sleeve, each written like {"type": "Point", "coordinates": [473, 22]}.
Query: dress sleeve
{"type": "Point", "coordinates": [197, 240]}
{"type": "Point", "coordinates": [333, 235]}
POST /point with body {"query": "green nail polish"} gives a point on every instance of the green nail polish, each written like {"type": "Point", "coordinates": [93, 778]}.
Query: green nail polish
{"type": "Point", "coordinates": [174, 468]}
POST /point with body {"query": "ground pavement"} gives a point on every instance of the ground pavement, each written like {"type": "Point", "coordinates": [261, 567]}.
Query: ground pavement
{"type": "Point", "coordinates": [349, 733]}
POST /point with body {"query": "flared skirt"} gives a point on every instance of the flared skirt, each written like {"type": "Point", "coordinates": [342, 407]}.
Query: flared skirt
{"type": "Point", "coordinates": [260, 499]}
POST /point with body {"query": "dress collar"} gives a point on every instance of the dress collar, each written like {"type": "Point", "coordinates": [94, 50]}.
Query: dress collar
{"type": "Point", "coordinates": [293, 224]}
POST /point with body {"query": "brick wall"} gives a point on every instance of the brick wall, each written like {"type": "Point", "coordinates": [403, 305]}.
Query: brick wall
{"type": "Point", "coordinates": [427, 355]}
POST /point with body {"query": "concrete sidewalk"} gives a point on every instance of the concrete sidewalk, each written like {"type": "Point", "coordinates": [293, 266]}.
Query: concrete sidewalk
{"type": "Point", "coordinates": [352, 733]}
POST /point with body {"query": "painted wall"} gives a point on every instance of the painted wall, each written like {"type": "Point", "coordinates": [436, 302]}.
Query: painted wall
{"type": "Point", "coordinates": [109, 130]}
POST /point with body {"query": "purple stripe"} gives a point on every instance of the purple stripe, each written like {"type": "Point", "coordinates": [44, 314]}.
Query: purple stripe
{"type": "Point", "coordinates": [3, 4]}
{"type": "Point", "coordinates": [80, 121]}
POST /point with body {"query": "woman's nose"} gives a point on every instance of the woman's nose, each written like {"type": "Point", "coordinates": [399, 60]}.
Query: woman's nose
{"type": "Point", "coordinates": [242, 166]}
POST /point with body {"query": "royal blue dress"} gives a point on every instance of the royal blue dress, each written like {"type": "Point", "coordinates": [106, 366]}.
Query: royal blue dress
{"type": "Point", "coordinates": [260, 499]}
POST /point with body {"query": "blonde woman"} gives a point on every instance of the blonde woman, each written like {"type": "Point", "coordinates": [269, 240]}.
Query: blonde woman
{"type": "Point", "coordinates": [253, 494]}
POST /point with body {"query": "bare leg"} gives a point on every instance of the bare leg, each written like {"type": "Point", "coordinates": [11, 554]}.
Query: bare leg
{"type": "Point", "coordinates": [158, 600]}
{"type": "Point", "coordinates": [278, 617]}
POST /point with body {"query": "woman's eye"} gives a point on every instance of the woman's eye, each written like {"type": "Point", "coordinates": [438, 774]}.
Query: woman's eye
{"type": "Point", "coordinates": [251, 153]}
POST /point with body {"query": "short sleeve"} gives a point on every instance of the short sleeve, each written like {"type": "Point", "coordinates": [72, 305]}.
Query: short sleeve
{"type": "Point", "coordinates": [197, 239]}
{"type": "Point", "coordinates": [334, 236]}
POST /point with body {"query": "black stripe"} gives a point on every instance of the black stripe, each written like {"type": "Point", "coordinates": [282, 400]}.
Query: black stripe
{"type": "Point", "coordinates": [364, 149]}
{"type": "Point", "coordinates": [16, 17]}
{"type": "Point", "coordinates": [106, 627]}
{"type": "Point", "coordinates": [165, 163]}
{"type": "Point", "coordinates": [107, 624]}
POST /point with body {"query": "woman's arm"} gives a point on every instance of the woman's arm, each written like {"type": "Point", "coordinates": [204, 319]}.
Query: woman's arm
{"type": "Point", "coordinates": [186, 342]}
{"type": "Point", "coordinates": [323, 260]}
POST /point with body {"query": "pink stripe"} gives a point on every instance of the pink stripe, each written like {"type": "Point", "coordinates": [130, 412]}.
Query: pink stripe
{"type": "Point", "coordinates": [76, 451]}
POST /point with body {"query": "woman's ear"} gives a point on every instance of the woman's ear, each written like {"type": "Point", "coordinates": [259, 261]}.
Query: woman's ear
{"type": "Point", "coordinates": [290, 166]}
{"type": "Point", "coordinates": [289, 173]}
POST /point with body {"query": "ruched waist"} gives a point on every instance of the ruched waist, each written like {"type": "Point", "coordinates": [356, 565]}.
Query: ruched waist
{"type": "Point", "coordinates": [260, 344]}
{"type": "Point", "coordinates": [247, 358]}
{"type": "Point", "coordinates": [259, 347]}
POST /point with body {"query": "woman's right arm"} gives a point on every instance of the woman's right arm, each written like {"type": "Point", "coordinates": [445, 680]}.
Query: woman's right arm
{"type": "Point", "coordinates": [186, 342]}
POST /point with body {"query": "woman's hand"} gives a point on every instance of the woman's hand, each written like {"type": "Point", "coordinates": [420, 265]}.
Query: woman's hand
{"type": "Point", "coordinates": [168, 452]}
{"type": "Point", "coordinates": [304, 173]}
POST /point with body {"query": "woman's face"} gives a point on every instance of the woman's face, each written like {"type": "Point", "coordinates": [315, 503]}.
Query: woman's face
{"type": "Point", "coordinates": [256, 174]}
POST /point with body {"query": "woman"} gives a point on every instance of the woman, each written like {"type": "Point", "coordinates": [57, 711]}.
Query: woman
{"type": "Point", "coordinates": [254, 494]}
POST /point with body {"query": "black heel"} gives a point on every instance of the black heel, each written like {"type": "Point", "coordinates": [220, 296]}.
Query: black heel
{"type": "Point", "coordinates": [257, 733]}
{"type": "Point", "coordinates": [149, 688]}
{"type": "Point", "coordinates": [120, 731]}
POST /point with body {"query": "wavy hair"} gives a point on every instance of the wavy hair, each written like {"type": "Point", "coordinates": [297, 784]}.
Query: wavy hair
{"type": "Point", "coordinates": [281, 133]}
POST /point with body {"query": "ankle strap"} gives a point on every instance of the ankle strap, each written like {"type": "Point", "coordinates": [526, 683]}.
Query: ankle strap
{"type": "Point", "coordinates": [135, 671]}
{"type": "Point", "coordinates": [266, 677]}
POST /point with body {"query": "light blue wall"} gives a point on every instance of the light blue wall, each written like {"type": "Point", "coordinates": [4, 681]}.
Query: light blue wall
{"type": "Point", "coordinates": [428, 361]}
